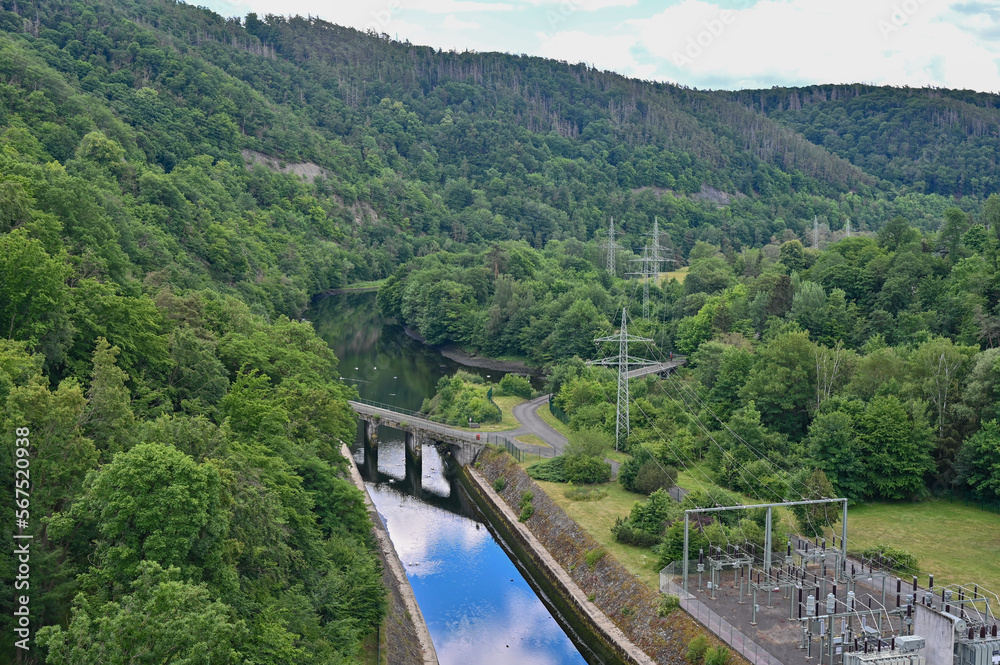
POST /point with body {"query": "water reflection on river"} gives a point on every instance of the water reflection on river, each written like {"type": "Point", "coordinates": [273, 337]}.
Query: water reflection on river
{"type": "Point", "coordinates": [478, 607]}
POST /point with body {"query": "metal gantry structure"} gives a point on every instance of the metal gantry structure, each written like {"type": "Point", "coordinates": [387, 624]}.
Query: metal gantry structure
{"type": "Point", "coordinates": [622, 361]}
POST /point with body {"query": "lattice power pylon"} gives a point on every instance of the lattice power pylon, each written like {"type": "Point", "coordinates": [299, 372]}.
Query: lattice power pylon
{"type": "Point", "coordinates": [611, 247]}
{"type": "Point", "coordinates": [622, 361]}
{"type": "Point", "coordinates": [646, 274]}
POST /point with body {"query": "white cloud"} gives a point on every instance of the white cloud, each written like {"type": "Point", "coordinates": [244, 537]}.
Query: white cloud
{"type": "Point", "coordinates": [583, 5]}
{"type": "Point", "coordinates": [612, 52]}
{"type": "Point", "coordinates": [802, 42]}
{"type": "Point", "coordinates": [453, 23]}
{"type": "Point", "coordinates": [452, 6]}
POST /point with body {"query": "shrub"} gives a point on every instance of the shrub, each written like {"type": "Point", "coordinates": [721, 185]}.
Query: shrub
{"type": "Point", "coordinates": [589, 443]}
{"type": "Point", "coordinates": [499, 484]}
{"type": "Point", "coordinates": [717, 656]}
{"type": "Point", "coordinates": [587, 470]}
{"type": "Point", "coordinates": [668, 603]}
{"type": "Point", "coordinates": [893, 558]}
{"type": "Point", "coordinates": [651, 515]}
{"type": "Point", "coordinates": [696, 650]}
{"type": "Point", "coordinates": [585, 494]}
{"type": "Point", "coordinates": [552, 470]}
{"type": "Point", "coordinates": [626, 534]}
{"type": "Point", "coordinates": [629, 470]}
{"type": "Point", "coordinates": [593, 556]}
{"type": "Point", "coordinates": [512, 384]}
{"type": "Point", "coordinates": [653, 476]}
{"type": "Point", "coordinates": [527, 508]}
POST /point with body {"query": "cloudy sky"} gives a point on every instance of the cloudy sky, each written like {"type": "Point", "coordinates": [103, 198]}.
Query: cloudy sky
{"type": "Point", "coordinates": [703, 43]}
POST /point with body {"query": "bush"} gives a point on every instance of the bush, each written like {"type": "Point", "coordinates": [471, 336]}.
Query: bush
{"type": "Point", "coordinates": [589, 443]}
{"type": "Point", "coordinates": [512, 384]}
{"type": "Point", "coordinates": [499, 484]}
{"type": "Point", "coordinates": [696, 650]}
{"type": "Point", "coordinates": [668, 603]}
{"type": "Point", "coordinates": [652, 515]}
{"type": "Point", "coordinates": [587, 470]}
{"type": "Point", "coordinates": [630, 469]}
{"type": "Point", "coordinates": [717, 656]}
{"type": "Point", "coordinates": [552, 470]}
{"type": "Point", "coordinates": [626, 534]}
{"type": "Point", "coordinates": [653, 476]}
{"type": "Point", "coordinates": [893, 558]}
{"type": "Point", "coordinates": [593, 556]}
{"type": "Point", "coordinates": [585, 494]}
{"type": "Point", "coordinates": [527, 508]}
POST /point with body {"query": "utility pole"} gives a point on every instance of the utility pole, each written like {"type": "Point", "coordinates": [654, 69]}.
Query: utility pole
{"type": "Point", "coordinates": [622, 362]}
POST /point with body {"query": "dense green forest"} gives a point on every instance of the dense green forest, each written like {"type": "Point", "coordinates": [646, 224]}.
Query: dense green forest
{"type": "Point", "coordinates": [175, 186]}
{"type": "Point", "coordinates": [871, 360]}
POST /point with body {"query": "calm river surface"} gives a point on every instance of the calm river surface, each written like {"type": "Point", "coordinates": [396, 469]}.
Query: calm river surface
{"type": "Point", "coordinates": [478, 606]}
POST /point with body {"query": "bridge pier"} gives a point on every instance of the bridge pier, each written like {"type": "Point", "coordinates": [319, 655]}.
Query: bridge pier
{"type": "Point", "coordinates": [369, 446]}
{"type": "Point", "coordinates": [412, 444]}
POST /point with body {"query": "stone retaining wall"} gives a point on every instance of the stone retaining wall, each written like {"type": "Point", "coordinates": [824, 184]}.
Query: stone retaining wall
{"type": "Point", "coordinates": [622, 600]}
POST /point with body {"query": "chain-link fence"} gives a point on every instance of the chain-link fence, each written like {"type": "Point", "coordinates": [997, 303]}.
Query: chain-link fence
{"type": "Point", "coordinates": [724, 630]}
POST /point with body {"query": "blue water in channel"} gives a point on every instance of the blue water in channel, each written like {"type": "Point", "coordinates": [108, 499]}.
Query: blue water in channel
{"type": "Point", "coordinates": [477, 605]}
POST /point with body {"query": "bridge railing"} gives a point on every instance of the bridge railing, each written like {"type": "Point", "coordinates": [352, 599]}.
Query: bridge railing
{"type": "Point", "coordinates": [520, 451]}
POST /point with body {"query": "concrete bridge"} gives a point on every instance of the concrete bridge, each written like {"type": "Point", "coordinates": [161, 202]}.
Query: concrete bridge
{"type": "Point", "coordinates": [658, 368]}
{"type": "Point", "coordinates": [463, 445]}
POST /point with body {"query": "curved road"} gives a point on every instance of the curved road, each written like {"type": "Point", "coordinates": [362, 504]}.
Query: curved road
{"type": "Point", "coordinates": [526, 413]}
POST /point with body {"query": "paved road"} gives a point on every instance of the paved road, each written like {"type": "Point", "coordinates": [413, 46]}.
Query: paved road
{"type": "Point", "coordinates": [526, 413]}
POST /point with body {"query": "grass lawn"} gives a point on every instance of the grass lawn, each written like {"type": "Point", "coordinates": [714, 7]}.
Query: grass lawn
{"type": "Point", "coordinates": [680, 275]}
{"type": "Point", "coordinates": [508, 421]}
{"type": "Point", "coordinates": [956, 543]}
{"type": "Point", "coordinates": [533, 440]}
{"type": "Point", "coordinates": [552, 421]}
{"type": "Point", "coordinates": [597, 518]}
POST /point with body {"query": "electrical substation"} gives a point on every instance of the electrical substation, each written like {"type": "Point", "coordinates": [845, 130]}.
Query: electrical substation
{"type": "Point", "coordinates": [808, 601]}
{"type": "Point", "coordinates": [812, 603]}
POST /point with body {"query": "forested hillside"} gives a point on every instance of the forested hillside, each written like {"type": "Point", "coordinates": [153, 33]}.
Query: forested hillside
{"type": "Point", "coordinates": [930, 140]}
{"type": "Point", "coordinates": [158, 249]}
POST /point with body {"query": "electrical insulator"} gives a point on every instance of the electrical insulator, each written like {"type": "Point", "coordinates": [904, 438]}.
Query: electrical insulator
{"type": "Point", "coordinates": [831, 603]}
{"type": "Point", "coordinates": [811, 605]}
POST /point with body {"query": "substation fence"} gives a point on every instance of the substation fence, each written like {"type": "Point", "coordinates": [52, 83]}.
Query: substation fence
{"type": "Point", "coordinates": [721, 628]}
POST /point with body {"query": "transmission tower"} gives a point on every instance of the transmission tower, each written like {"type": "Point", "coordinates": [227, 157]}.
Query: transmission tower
{"type": "Point", "coordinates": [622, 361]}
{"type": "Point", "coordinates": [815, 232]}
{"type": "Point", "coordinates": [611, 247]}
{"type": "Point", "coordinates": [848, 228]}
{"type": "Point", "coordinates": [646, 274]}
{"type": "Point", "coordinates": [656, 251]}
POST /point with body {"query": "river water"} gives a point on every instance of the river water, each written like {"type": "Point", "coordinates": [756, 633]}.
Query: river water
{"type": "Point", "coordinates": [479, 608]}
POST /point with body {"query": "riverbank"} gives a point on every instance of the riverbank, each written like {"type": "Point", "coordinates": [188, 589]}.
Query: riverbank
{"type": "Point", "coordinates": [357, 287]}
{"type": "Point", "coordinates": [407, 640]}
{"type": "Point", "coordinates": [463, 357]}
{"type": "Point", "coordinates": [472, 360]}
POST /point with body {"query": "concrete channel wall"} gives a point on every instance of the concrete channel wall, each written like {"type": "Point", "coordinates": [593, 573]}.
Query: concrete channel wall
{"type": "Point", "coordinates": [595, 621]}
{"type": "Point", "coordinates": [408, 642]}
